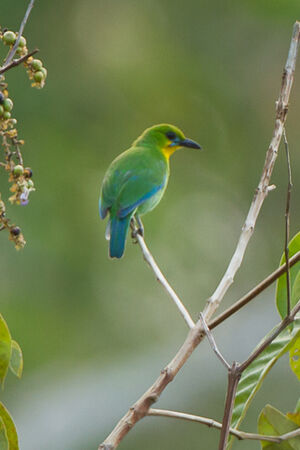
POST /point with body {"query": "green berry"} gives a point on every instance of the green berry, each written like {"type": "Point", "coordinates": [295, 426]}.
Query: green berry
{"type": "Point", "coordinates": [19, 51]}
{"type": "Point", "coordinates": [44, 70]}
{"type": "Point", "coordinates": [1, 110]}
{"type": "Point", "coordinates": [38, 76]}
{"type": "Point", "coordinates": [18, 170]}
{"type": "Point", "coordinates": [30, 184]}
{"type": "Point", "coordinates": [22, 41]}
{"type": "Point", "coordinates": [6, 115]}
{"type": "Point", "coordinates": [9, 38]}
{"type": "Point", "coordinates": [36, 64]}
{"type": "Point", "coordinates": [8, 104]}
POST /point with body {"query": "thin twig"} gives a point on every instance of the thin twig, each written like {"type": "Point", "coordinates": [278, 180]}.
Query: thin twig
{"type": "Point", "coordinates": [160, 277]}
{"type": "Point", "coordinates": [213, 344]}
{"type": "Point", "coordinates": [287, 224]}
{"type": "Point", "coordinates": [242, 435]}
{"type": "Point", "coordinates": [262, 189]}
{"type": "Point", "coordinates": [234, 375]}
{"type": "Point", "coordinates": [16, 62]}
{"type": "Point", "coordinates": [254, 292]}
{"type": "Point", "coordinates": [12, 52]}
{"type": "Point", "coordinates": [196, 334]}
{"type": "Point", "coordinates": [285, 322]}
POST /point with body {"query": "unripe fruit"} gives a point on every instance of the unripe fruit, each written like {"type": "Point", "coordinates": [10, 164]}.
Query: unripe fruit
{"type": "Point", "coordinates": [1, 110]}
{"type": "Point", "coordinates": [22, 41]}
{"type": "Point", "coordinates": [8, 104]}
{"type": "Point", "coordinates": [18, 170]}
{"type": "Point", "coordinates": [15, 231]}
{"type": "Point", "coordinates": [9, 38]}
{"type": "Point", "coordinates": [36, 64]}
{"type": "Point", "coordinates": [38, 76]}
{"type": "Point", "coordinates": [6, 115]}
{"type": "Point", "coordinates": [44, 70]}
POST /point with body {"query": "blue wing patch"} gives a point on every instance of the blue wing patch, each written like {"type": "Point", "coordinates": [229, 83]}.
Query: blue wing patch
{"type": "Point", "coordinates": [123, 212]}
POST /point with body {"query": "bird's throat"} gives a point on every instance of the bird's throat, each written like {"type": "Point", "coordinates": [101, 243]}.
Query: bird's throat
{"type": "Point", "coordinates": [168, 151]}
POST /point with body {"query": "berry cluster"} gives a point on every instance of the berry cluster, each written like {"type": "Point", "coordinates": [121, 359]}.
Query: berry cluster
{"type": "Point", "coordinates": [6, 106]}
{"type": "Point", "coordinates": [35, 69]}
{"type": "Point", "coordinates": [19, 176]}
{"type": "Point", "coordinates": [36, 72]}
{"type": "Point", "coordinates": [15, 233]}
{"type": "Point", "coordinates": [11, 159]}
{"type": "Point", "coordinates": [9, 38]}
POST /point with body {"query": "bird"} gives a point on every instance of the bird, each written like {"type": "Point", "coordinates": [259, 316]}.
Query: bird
{"type": "Point", "coordinates": [136, 181]}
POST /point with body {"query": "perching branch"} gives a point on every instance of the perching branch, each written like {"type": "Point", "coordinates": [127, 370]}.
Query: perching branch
{"type": "Point", "coordinates": [141, 408]}
{"type": "Point", "coordinates": [160, 277]}
{"type": "Point", "coordinates": [262, 190]}
{"type": "Point", "coordinates": [241, 435]}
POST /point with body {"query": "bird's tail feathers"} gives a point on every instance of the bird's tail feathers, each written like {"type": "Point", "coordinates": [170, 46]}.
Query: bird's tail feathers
{"type": "Point", "coordinates": [118, 234]}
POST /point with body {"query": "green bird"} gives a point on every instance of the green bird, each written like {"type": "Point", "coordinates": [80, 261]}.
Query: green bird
{"type": "Point", "coordinates": [136, 181]}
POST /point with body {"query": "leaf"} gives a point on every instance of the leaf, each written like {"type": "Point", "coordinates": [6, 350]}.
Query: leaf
{"type": "Point", "coordinates": [4, 445]}
{"type": "Point", "coordinates": [295, 416]}
{"type": "Point", "coordinates": [11, 431]}
{"type": "Point", "coordinates": [254, 375]}
{"type": "Point", "coordinates": [294, 247]}
{"type": "Point", "coordinates": [295, 357]}
{"type": "Point", "coordinates": [5, 349]}
{"type": "Point", "coordinates": [272, 422]}
{"type": "Point", "coordinates": [16, 359]}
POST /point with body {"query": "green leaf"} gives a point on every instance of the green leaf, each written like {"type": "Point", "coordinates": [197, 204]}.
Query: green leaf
{"type": "Point", "coordinates": [5, 349]}
{"type": "Point", "coordinates": [295, 357]}
{"type": "Point", "coordinates": [254, 375]}
{"type": "Point", "coordinates": [294, 247]}
{"type": "Point", "coordinates": [16, 359]}
{"type": "Point", "coordinates": [295, 416]}
{"type": "Point", "coordinates": [11, 431]}
{"type": "Point", "coordinates": [272, 422]}
{"type": "Point", "coordinates": [4, 445]}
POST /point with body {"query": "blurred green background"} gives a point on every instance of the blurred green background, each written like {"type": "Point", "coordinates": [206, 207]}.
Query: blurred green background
{"type": "Point", "coordinates": [95, 333]}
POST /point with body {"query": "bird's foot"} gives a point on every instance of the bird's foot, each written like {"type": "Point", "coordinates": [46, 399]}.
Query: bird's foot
{"type": "Point", "coordinates": [135, 232]}
{"type": "Point", "coordinates": [137, 228]}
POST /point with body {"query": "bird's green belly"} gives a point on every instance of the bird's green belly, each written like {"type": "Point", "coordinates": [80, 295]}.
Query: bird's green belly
{"type": "Point", "coordinates": [149, 204]}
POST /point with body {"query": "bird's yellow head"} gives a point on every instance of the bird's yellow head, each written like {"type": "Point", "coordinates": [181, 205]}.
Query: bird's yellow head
{"type": "Point", "coordinates": [167, 138]}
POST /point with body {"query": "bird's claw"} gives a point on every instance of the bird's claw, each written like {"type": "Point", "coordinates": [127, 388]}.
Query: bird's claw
{"type": "Point", "coordinates": [135, 232]}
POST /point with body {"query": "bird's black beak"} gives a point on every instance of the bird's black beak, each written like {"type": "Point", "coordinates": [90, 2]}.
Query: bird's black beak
{"type": "Point", "coordinates": [189, 143]}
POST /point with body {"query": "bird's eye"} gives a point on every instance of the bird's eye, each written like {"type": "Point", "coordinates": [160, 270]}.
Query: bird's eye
{"type": "Point", "coordinates": [171, 135]}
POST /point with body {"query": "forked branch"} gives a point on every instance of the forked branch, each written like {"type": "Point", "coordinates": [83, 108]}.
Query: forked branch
{"type": "Point", "coordinates": [196, 333]}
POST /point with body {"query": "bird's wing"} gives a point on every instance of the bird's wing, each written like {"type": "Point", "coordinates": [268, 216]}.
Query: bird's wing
{"type": "Point", "coordinates": [133, 196]}
{"type": "Point", "coordinates": [133, 178]}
